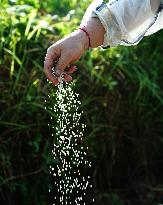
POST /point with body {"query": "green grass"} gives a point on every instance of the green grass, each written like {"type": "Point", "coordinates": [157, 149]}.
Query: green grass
{"type": "Point", "coordinates": [122, 99]}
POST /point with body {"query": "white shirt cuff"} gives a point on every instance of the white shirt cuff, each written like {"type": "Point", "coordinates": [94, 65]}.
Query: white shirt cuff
{"type": "Point", "coordinates": [126, 22]}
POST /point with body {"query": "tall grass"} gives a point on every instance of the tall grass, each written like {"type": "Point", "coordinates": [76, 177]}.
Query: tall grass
{"type": "Point", "coordinates": [121, 94]}
{"type": "Point", "coordinates": [24, 135]}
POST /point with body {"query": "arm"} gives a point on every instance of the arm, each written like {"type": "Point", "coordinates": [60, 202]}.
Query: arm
{"type": "Point", "coordinates": [71, 48]}
{"type": "Point", "coordinates": [126, 22]}
{"type": "Point", "coordinates": [96, 31]}
{"type": "Point", "coordinates": [122, 22]}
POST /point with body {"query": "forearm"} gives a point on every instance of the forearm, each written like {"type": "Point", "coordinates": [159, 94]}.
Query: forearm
{"type": "Point", "coordinates": [96, 32]}
{"type": "Point", "coordinates": [124, 22]}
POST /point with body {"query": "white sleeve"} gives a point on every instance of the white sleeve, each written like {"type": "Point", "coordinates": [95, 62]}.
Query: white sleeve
{"type": "Point", "coordinates": [126, 22]}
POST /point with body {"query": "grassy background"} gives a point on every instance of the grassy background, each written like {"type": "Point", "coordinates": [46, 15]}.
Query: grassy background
{"type": "Point", "coordinates": [121, 97]}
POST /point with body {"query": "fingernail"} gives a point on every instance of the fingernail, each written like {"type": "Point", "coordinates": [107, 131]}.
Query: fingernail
{"type": "Point", "coordinates": [67, 78]}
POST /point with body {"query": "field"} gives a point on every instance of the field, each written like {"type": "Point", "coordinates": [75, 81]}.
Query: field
{"type": "Point", "coordinates": [122, 99]}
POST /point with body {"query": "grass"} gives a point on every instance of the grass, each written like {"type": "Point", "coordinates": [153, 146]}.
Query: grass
{"type": "Point", "coordinates": [121, 94]}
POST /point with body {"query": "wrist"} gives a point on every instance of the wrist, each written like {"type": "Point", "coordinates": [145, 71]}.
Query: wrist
{"type": "Point", "coordinates": [96, 32]}
{"type": "Point", "coordinates": [82, 38]}
{"type": "Point", "coordinates": [85, 39]}
{"type": "Point", "coordinates": [87, 34]}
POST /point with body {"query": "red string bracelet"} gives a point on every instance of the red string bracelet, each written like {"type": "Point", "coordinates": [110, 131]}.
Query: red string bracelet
{"type": "Point", "coordinates": [86, 32]}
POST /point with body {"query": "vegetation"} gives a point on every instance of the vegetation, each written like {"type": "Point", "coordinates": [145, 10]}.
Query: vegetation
{"type": "Point", "coordinates": [121, 93]}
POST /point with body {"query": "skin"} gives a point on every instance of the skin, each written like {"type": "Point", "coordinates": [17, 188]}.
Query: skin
{"type": "Point", "coordinates": [155, 4]}
{"type": "Point", "coordinates": [70, 49]}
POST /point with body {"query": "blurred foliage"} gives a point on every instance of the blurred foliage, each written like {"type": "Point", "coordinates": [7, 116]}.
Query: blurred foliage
{"type": "Point", "coordinates": [121, 97]}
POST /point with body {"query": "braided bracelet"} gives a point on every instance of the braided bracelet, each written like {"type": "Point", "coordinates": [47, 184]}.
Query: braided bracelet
{"type": "Point", "coordinates": [86, 32]}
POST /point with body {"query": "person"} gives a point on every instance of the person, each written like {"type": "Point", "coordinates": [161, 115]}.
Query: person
{"type": "Point", "coordinates": [118, 22]}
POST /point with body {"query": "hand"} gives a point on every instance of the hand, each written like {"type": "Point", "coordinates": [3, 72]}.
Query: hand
{"type": "Point", "coordinates": [65, 52]}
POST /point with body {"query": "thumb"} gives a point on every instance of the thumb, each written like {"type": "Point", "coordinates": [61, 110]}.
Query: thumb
{"type": "Point", "coordinates": [62, 63]}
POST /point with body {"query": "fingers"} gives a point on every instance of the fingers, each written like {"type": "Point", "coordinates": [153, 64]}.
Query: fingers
{"type": "Point", "coordinates": [51, 56]}
{"type": "Point", "coordinates": [63, 62]}
{"type": "Point", "coordinates": [53, 53]}
{"type": "Point", "coordinates": [67, 77]}
{"type": "Point", "coordinates": [63, 59]}
{"type": "Point", "coordinates": [50, 76]}
{"type": "Point", "coordinates": [71, 69]}
{"type": "Point", "coordinates": [68, 71]}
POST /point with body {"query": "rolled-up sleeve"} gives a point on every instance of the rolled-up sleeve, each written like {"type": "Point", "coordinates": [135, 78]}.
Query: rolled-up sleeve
{"type": "Point", "coordinates": [126, 22]}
